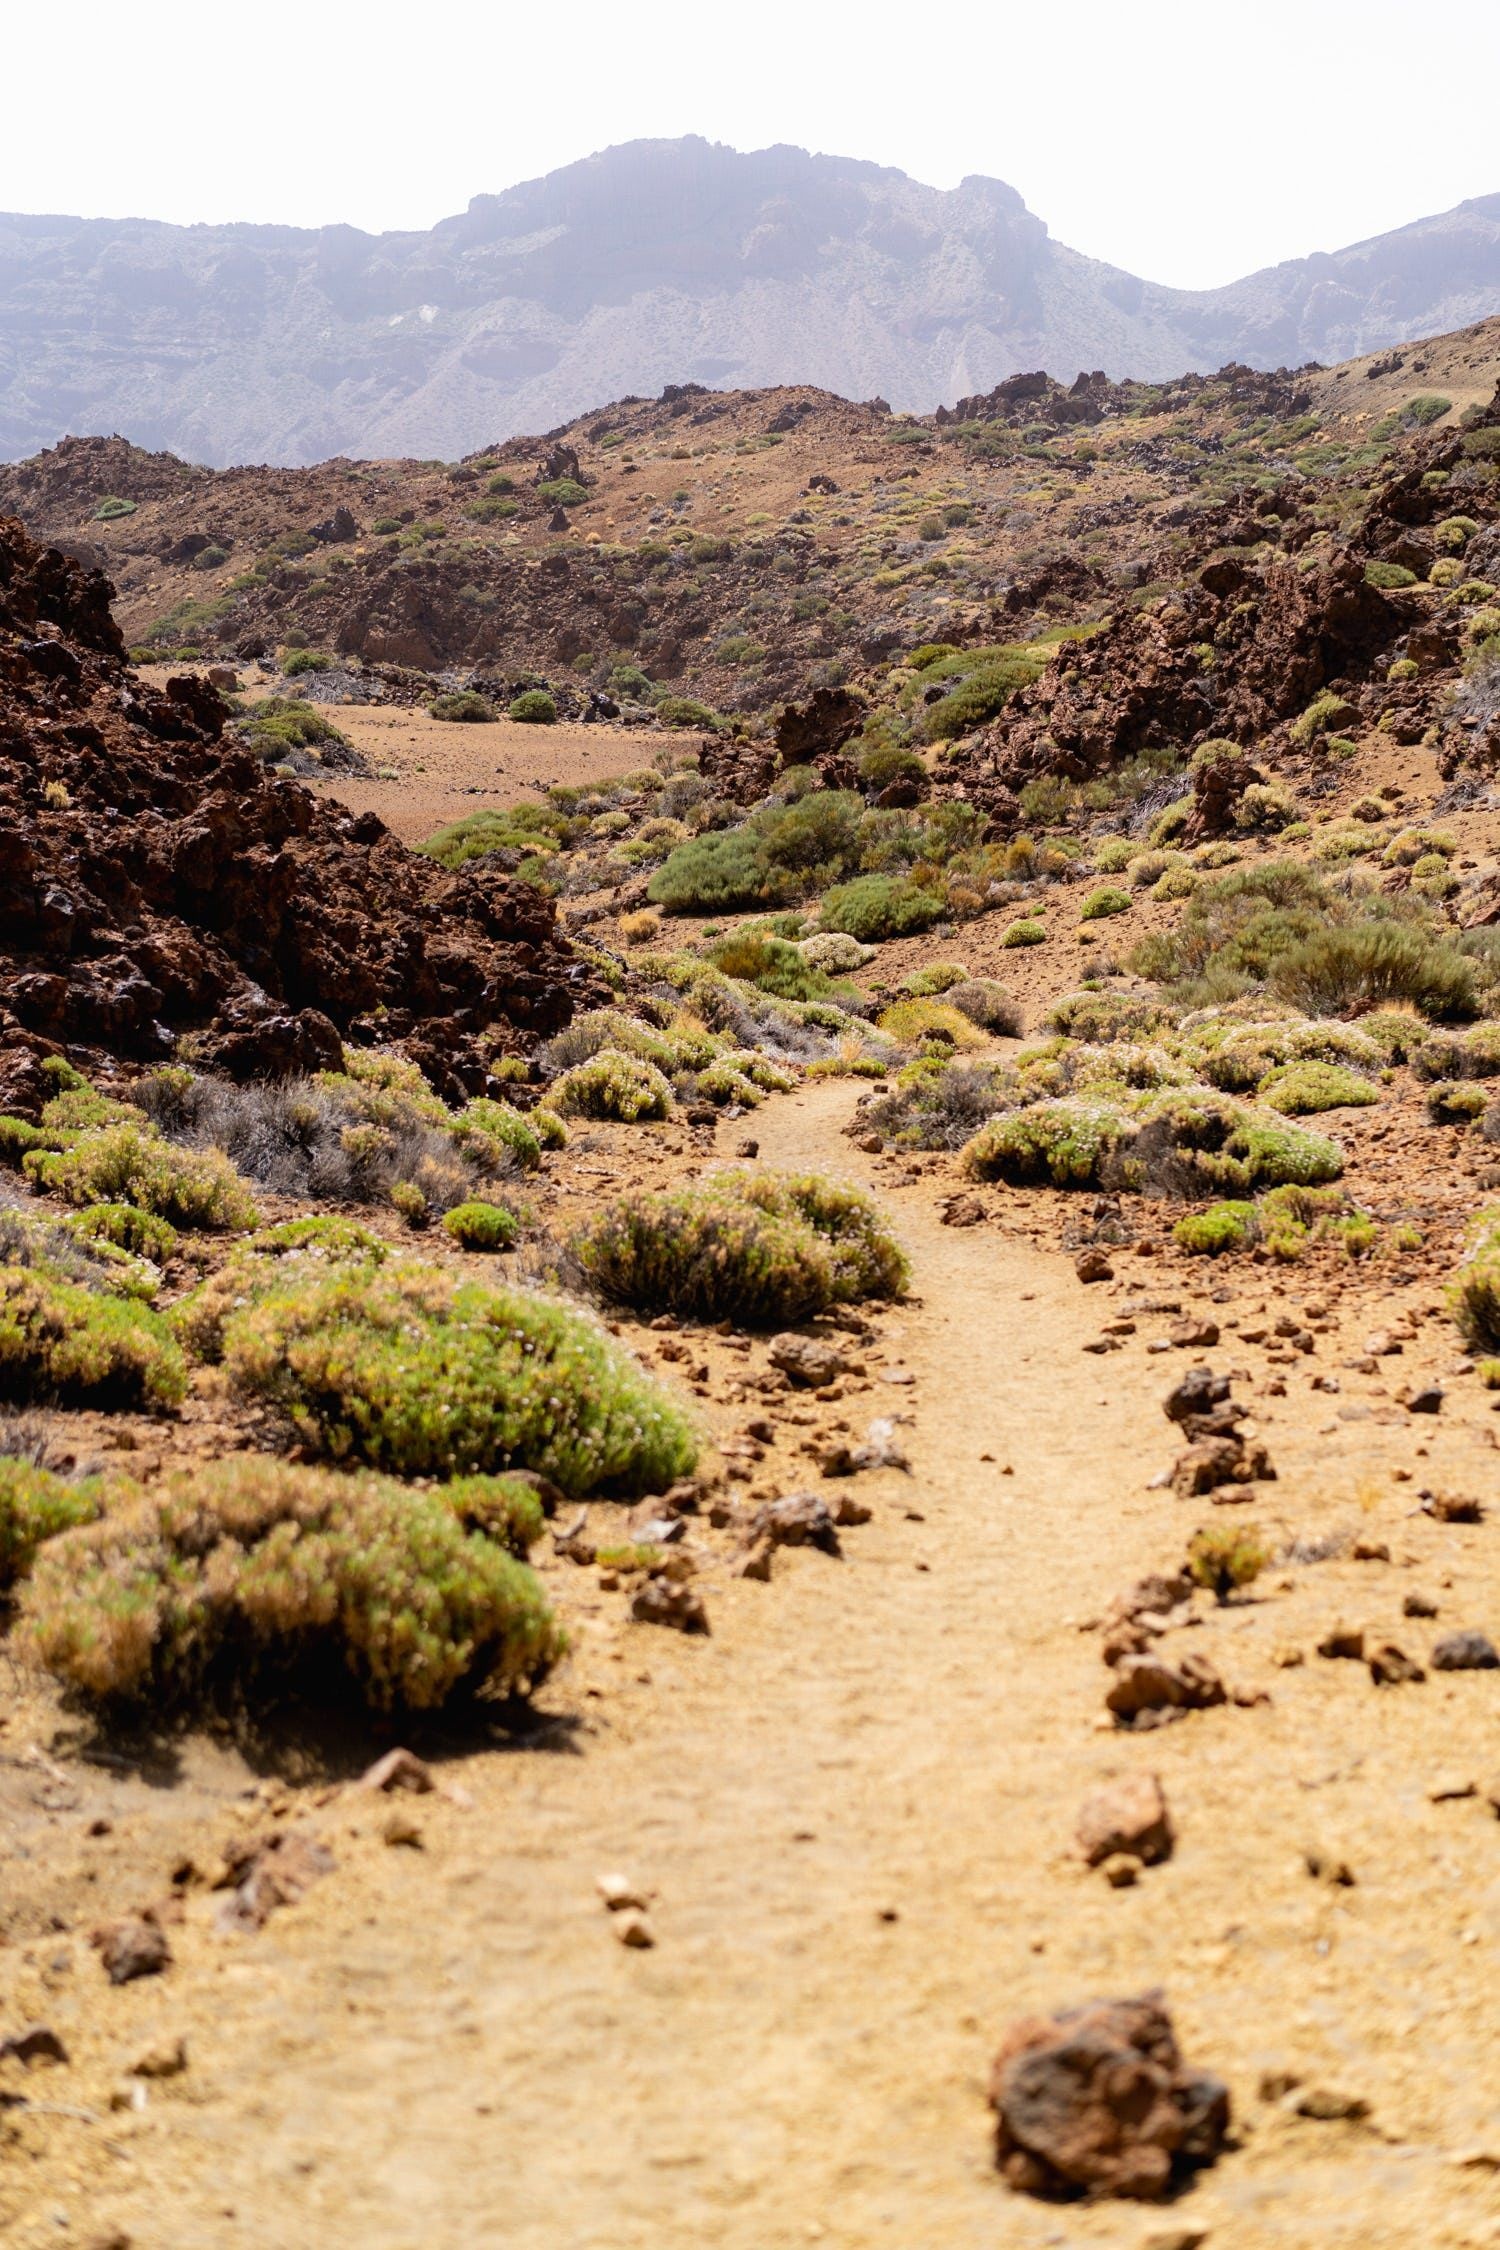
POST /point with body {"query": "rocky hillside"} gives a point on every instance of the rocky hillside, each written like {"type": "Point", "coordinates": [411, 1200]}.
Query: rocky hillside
{"type": "Point", "coordinates": [654, 262]}
{"type": "Point", "coordinates": [157, 884]}
{"type": "Point", "coordinates": [735, 549]}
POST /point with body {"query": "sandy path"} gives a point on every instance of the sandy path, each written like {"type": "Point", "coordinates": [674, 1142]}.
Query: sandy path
{"type": "Point", "coordinates": [447, 2047]}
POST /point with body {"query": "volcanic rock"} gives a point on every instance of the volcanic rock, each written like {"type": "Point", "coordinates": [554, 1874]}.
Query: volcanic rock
{"type": "Point", "coordinates": [157, 880]}
{"type": "Point", "coordinates": [1096, 2101]}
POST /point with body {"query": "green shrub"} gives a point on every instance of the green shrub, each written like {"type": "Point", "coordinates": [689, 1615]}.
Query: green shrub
{"type": "Point", "coordinates": [1474, 1292]}
{"type": "Point", "coordinates": [1103, 902]}
{"type": "Point", "coordinates": [504, 1128]}
{"type": "Point", "coordinates": [886, 762]}
{"type": "Point", "coordinates": [534, 707]}
{"type": "Point", "coordinates": [771, 964]}
{"type": "Point", "coordinates": [278, 1257]}
{"type": "Point", "coordinates": [1025, 932]}
{"type": "Point", "coordinates": [1301, 1089]}
{"type": "Point", "coordinates": [873, 907]}
{"type": "Point", "coordinates": [1362, 964]}
{"type": "Point", "coordinates": [1456, 1101]}
{"type": "Point", "coordinates": [414, 1371]}
{"type": "Point", "coordinates": [761, 1249]}
{"type": "Point", "coordinates": [1058, 1143]}
{"type": "Point", "coordinates": [1323, 715]}
{"type": "Point", "coordinates": [480, 1226]}
{"type": "Point", "coordinates": [34, 1506]}
{"type": "Point", "coordinates": [1100, 1017]}
{"type": "Point", "coordinates": [59, 1340]}
{"type": "Point", "coordinates": [466, 708]}
{"type": "Point", "coordinates": [1474, 1053]}
{"type": "Point", "coordinates": [715, 874]}
{"type": "Point", "coordinates": [1224, 1226]}
{"type": "Point", "coordinates": [128, 1229]}
{"type": "Point", "coordinates": [282, 725]}
{"type": "Point", "coordinates": [299, 660]}
{"type": "Point", "coordinates": [613, 1085]}
{"type": "Point", "coordinates": [244, 1580]}
{"type": "Point", "coordinates": [1224, 1557]}
{"type": "Point", "coordinates": [563, 492]}
{"type": "Point", "coordinates": [112, 509]}
{"type": "Point", "coordinates": [1389, 575]}
{"type": "Point", "coordinates": [129, 1163]}
{"type": "Point", "coordinates": [910, 1022]}
{"type": "Point", "coordinates": [682, 711]}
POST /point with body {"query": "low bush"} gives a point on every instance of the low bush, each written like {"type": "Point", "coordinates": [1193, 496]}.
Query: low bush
{"type": "Point", "coordinates": [299, 660]}
{"type": "Point", "coordinates": [62, 1342]}
{"type": "Point", "coordinates": [285, 730]}
{"type": "Point", "coordinates": [480, 1226]}
{"type": "Point", "coordinates": [413, 1370]}
{"type": "Point", "coordinates": [912, 1022]}
{"type": "Point", "coordinates": [1474, 1053]}
{"type": "Point", "coordinates": [1222, 1558]}
{"type": "Point", "coordinates": [464, 708]}
{"type": "Point", "coordinates": [835, 952]}
{"type": "Point", "coordinates": [759, 1249]}
{"type": "Point", "coordinates": [1098, 1018]}
{"type": "Point", "coordinates": [937, 1109]}
{"type": "Point", "coordinates": [1025, 932]}
{"type": "Point", "coordinates": [715, 874]}
{"type": "Point", "coordinates": [130, 1163]}
{"type": "Point", "coordinates": [1224, 1226]}
{"type": "Point", "coordinates": [504, 1128]}
{"type": "Point", "coordinates": [246, 1581]}
{"type": "Point", "coordinates": [1341, 969]}
{"type": "Point", "coordinates": [613, 1085]}
{"type": "Point", "coordinates": [1301, 1089]}
{"type": "Point", "coordinates": [987, 1003]}
{"type": "Point", "coordinates": [534, 707]}
{"type": "Point", "coordinates": [874, 907]}
{"type": "Point", "coordinates": [1456, 1101]}
{"type": "Point", "coordinates": [1054, 1143]}
{"type": "Point", "coordinates": [35, 1506]}
{"type": "Point", "coordinates": [121, 1224]}
{"type": "Point", "coordinates": [1104, 902]}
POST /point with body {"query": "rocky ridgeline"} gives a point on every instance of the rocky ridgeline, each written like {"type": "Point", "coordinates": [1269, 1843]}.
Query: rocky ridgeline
{"type": "Point", "coordinates": [156, 882]}
{"type": "Point", "coordinates": [1241, 648]}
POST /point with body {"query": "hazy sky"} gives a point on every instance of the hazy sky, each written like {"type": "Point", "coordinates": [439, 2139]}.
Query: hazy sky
{"type": "Point", "coordinates": [1188, 142]}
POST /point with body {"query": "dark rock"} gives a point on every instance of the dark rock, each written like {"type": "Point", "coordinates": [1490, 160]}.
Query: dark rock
{"type": "Point", "coordinates": [667, 1601]}
{"type": "Point", "coordinates": [1199, 1390]}
{"type": "Point", "coordinates": [1390, 1666]}
{"type": "Point", "coordinates": [1093, 1265]}
{"type": "Point", "coordinates": [807, 1361]}
{"type": "Point", "coordinates": [1427, 1400]}
{"type": "Point", "coordinates": [799, 1519]}
{"type": "Point", "coordinates": [1096, 2101]}
{"type": "Point", "coordinates": [1468, 1651]}
{"type": "Point", "coordinates": [269, 1872]}
{"type": "Point", "coordinates": [135, 1946]}
{"type": "Point", "coordinates": [38, 2043]}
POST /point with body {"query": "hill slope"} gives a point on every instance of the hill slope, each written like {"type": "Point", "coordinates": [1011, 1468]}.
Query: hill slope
{"type": "Point", "coordinates": [653, 262]}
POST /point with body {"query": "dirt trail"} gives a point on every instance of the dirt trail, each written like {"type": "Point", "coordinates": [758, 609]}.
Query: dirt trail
{"type": "Point", "coordinates": [854, 1802]}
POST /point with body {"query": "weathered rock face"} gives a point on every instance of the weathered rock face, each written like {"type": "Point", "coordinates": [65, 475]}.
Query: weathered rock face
{"type": "Point", "coordinates": [1097, 2101]}
{"type": "Point", "coordinates": [155, 881]}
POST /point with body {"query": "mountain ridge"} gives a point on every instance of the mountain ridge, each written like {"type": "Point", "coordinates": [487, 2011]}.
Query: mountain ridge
{"type": "Point", "coordinates": [651, 262]}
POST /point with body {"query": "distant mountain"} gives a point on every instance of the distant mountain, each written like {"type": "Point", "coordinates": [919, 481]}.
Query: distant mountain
{"type": "Point", "coordinates": [655, 262]}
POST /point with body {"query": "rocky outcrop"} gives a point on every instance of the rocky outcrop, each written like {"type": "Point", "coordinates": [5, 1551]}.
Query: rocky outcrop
{"type": "Point", "coordinates": [157, 884]}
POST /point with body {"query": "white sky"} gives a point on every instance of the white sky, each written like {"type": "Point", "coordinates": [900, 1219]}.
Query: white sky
{"type": "Point", "coordinates": [1190, 143]}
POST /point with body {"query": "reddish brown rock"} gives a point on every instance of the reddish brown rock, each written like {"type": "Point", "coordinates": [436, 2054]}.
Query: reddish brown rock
{"type": "Point", "coordinates": [1147, 1683]}
{"type": "Point", "coordinates": [157, 879]}
{"type": "Point", "coordinates": [1129, 1815]}
{"type": "Point", "coordinates": [1096, 2101]}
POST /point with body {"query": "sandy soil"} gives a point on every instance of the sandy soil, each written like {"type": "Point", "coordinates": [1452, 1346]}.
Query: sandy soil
{"type": "Point", "coordinates": [431, 771]}
{"type": "Point", "coordinates": [853, 1804]}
